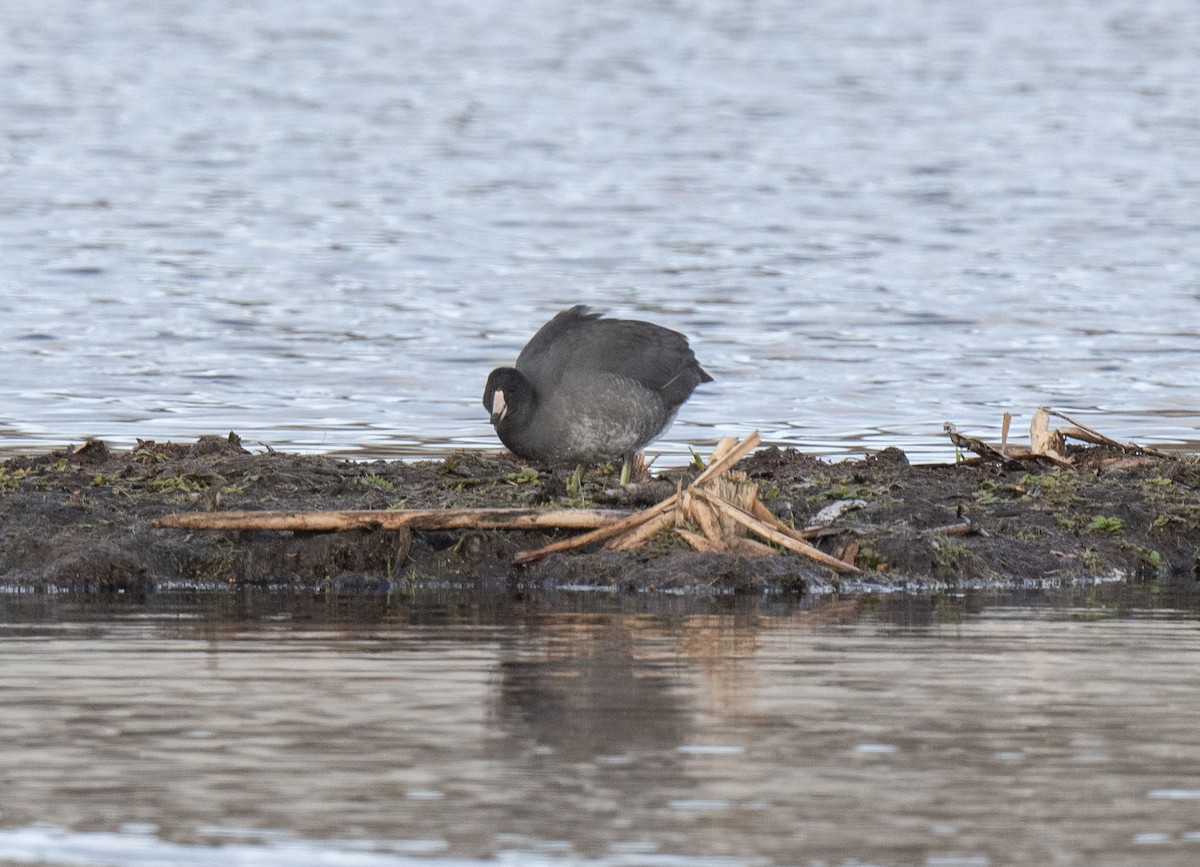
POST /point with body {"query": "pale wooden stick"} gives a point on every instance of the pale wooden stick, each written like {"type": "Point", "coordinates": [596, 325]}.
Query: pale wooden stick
{"type": "Point", "coordinates": [966, 528]}
{"type": "Point", "coordinates": [727, 460]}
{"type": "Point", "coordinates": [600, 534]}
{"type": "Point", "coordinates": [1043, 441]}
{"type": "Point", "coordinates": [391, 519]}
{"type": "Point", "coordinates": [699, 542]}
{"type": "Point", "coordinates": [773, 535]}
{"type": "Point", "coordinates": [642, 533]}
{"type": "Point", "coordinates": [724, 444]}
{"type": "Point", "coordinates": [753, 548]}
{"type": "Point", "coordinates": [760, 511]}
{"type": "Point", "coordinates": [707, 519]}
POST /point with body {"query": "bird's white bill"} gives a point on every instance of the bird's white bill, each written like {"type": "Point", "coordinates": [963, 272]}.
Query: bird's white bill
{"type": "Point", "coordinates": [499, 407]}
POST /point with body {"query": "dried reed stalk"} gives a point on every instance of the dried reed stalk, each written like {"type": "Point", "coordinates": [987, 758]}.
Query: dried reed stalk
{"type": "Point", "coordinates": [599, 535]}
{"type": "Point", "coordinates": [779, 538]}
{"type": "Point", "coordinates": [724, 505]}
{"type": "Point", "coordinates": [391, 519]}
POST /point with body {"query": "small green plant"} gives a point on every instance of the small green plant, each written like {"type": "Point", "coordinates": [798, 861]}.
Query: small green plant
{"type": "Point", "coordinates": [986, 493]}
{"type": "Point", "coordinates": [174, 484]}
{"type": "Point", "coordinates": [1068, 522]}
{"type": "Point", "coordinates": [103, 480]}
{"type": "Point", "coordinates": [1058, 488]}
{"type": "Point", "coordinates": [10, 478]}
{"type": "Point", "coordinates": [527, 476]}
{"type": "Point", "coordinates": [1181, 515]}
{"type": "Point", "coordinates": [1102, 524]}
{"type": "Point", "coordinates": [1149, 560]}
{"type": "Point", "coordinates": [374, 480]}
{"type": "Point", "coordinates": [697, 463]}
{"type": "Point", "coordinates": [575, 498]}
{"type": "Point", "coordinates": [951, 557]}
{"type": "Point", "coordinates": [575, 483]}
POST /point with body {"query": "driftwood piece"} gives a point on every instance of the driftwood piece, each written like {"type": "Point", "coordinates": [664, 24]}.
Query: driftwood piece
{"type": "Point", "coordinates": [1046, 444]}
{"type": "Point", "coordinates": [1044, 441]}
{"type": "Point", "coordinates": [390, 519]}
{"type": "Point", "coordinates": [972, 444]}
{"type": "Point", "coordinates": [1082, 432]}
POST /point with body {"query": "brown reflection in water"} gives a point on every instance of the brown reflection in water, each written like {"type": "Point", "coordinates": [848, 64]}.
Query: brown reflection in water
{"type": "Point", "coordinates": [595, 711]}
{"type": "Point", "coordinates": [577, 685]}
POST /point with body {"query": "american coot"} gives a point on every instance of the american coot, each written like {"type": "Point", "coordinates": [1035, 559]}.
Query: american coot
{"type": "Point", "coordinates": [587, 389]}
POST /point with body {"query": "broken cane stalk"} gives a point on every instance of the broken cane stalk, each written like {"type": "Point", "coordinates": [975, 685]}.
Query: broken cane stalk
{"type": "Point", "coordinates": [599, 535]}
{"type": "Point", "coordinates": [779, 538]}
{"type": "Point", "coordinates": [392, 519]}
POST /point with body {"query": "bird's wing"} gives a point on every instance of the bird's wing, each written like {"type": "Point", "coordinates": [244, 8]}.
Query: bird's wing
{"type": "Point", "coordinates": [578, 339]}
{"type": "Point", "coordinates": [548, 350]}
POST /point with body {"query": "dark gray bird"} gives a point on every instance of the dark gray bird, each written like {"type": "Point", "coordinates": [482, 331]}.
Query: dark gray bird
{"type": "Point", "coordinates": [587, 389]}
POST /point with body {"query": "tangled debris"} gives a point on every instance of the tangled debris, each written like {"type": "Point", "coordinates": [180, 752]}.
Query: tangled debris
{"type": "Point", "coordinates": [1046, 445]}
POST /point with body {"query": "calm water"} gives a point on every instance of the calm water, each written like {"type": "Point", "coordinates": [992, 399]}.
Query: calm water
{"type": "Point", "coordinates": [599, 732]}
{"type": "Point", "coordinates": [322, 224]}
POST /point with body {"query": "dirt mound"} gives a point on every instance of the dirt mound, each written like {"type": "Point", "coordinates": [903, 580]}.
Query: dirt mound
{"type": "Point", "coordinates": [80, 519]}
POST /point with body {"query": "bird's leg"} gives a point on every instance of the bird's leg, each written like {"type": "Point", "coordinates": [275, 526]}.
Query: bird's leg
{"type": "Point", "coordinates": [631, 462]}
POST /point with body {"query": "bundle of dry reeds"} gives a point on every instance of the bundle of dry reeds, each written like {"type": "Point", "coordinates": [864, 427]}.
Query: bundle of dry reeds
{"type": "Point", "coordinates": [715, 513]}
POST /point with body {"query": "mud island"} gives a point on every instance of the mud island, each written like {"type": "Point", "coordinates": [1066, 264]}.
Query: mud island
{"type": "Point", "coordinates": [81, 519]}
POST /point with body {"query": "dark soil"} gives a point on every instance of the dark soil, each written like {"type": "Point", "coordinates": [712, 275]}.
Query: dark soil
{"type": "Point", "coordinates": [80, 520]}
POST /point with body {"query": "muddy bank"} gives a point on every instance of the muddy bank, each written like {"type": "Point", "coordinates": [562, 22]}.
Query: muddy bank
{"type": "Point", "coordinates": [80, 519]}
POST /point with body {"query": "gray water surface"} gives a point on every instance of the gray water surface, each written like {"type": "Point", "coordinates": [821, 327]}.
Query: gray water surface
{"type": "Point", "coordinates": [623, 732]}
{"type": "Point", "coordinates": [322, 224]}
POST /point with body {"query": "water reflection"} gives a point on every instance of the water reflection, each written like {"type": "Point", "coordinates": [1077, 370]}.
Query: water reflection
{"type": "Point", "coordinates": [600, 729]}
